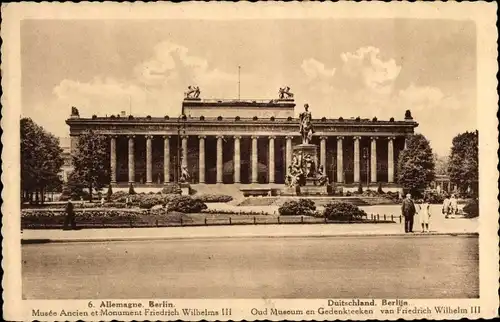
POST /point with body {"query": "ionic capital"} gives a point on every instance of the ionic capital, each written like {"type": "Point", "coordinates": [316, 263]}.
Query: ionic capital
{"type": "Point", "coordinates": [237, 137]}
{"type": "Point", "coordinates": [131, 136]}
{"type": "Point", "coordinates": [272, 137]}
{"type": "Point", "coordinates": [202, 137]}
{"type": "Point", "coordinates": [340, 138]}
{"type": "Point", "coordinates": [374, 138]}
{"type": "Point", "coordinates": [254, 137]}
{"type": "Point", "coordinates": [220, 137]}
{"type": "Point", "coordinates": [323, 137]}
{"type": "Point", "coordinates": [166, 137]}
{"type": "Point", "coordinates": [149, 137]}
{"type": "Point", "coordinates": [113, 136]}
{"type": "Point", "coordinates": [356, 138]}
{"type": "Point", "coordinates": [289, 137]}
{"type": "Point", "coordinates": [391, 138]}
{"type": "Point", "coordinates": [184, 137]}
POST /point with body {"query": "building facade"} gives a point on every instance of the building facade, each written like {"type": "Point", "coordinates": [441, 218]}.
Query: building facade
{"type": "Point", "coordinates": [244, 142]}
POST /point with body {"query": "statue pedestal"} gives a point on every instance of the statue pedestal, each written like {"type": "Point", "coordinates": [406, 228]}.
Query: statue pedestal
{"type": "Point", "coordinates": [312, 190]}
{"type": "Point", "coordinates": [302, 150]}
{"type": "Point", "coordinates": [290, 191]}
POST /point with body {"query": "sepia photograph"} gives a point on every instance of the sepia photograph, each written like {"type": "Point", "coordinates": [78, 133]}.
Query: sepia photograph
{"type": "Point", "coordinates": [294, 158]}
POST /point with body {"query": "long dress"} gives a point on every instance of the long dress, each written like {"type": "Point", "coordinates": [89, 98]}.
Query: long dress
{"type": "Point", "coordinates": [424, 213]}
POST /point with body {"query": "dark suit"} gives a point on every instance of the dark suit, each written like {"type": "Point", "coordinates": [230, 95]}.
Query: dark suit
{"type": "Point", "coordinates": [70, 216]}
{"type": "Point", "coordinates": [408, 210]}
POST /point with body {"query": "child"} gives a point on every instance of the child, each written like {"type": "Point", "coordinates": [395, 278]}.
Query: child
{"type": "Point", "coordinates": [424, 214]}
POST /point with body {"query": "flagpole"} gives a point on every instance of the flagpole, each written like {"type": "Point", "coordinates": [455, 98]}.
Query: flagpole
{"type": "Point", "coordinates": [239, 82]}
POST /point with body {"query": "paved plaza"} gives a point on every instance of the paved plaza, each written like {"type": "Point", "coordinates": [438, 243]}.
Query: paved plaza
{"type": "Point", "coordinates": [301, 267]}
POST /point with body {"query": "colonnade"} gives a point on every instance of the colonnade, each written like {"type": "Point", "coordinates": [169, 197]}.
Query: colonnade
{"type": "Point", "coordinates": [254, 157]}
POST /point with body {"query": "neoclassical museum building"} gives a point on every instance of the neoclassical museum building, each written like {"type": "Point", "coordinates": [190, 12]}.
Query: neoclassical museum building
{"type": "Point", "coordinates": [244, 142]}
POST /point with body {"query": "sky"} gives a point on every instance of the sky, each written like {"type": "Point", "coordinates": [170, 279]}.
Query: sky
{"type": "Point", "coordinates": [340, 67]}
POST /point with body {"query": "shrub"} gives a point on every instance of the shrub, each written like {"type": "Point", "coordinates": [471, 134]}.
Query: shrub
{"type": "Point", "coordinates": [119, 196]}
{"type": "Point", "coordinates": [435, 198]}
{"type": "Point", "coordinates": [171, 189]}
{"type": "Point", "coordinates": [214, 198]}
{"type": "Point", "coordinates": [186, 204]}
{"type": "Point", "coordinates": [343, 211]}
{"type": "Point", "coordinates": [131, 190]}
{"type": "Point", "coordinates": [471, 209]}
{"type": "Point", "coordinates": [304, 207]}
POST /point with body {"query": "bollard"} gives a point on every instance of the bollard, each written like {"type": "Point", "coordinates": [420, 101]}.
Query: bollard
{"type": "Point", "coordinates": [230, 220]}
{"type": "Point", "coordinates": [392, 217]}
{"type": "Point", "coordinates": [181, 221]}
{"type": "Point", "coordinates": [325, 219]}
{"type": "Point", "coordinates": [254, 221]}
{"type": "Point", "coordinates": [205, 221]}
{"type": "Point", "coordinates": [384, 217]}
{"type": "Point", "coordinates": [378, 217]}
{"type": "Point", "coordinates": [400, 218]}
{"type": "Point", "coordinates": [156, 222]}
{"type": "Point", "coordinates": [103, 224]}
{"type": "Point", "coordinates": [130, 222]}
{"type": "Point", "coordinates": [371, 216]}
{"type": "Point", "coordinates": [279, 220]}
{"type": "Point", "coordinates": [301, 219]}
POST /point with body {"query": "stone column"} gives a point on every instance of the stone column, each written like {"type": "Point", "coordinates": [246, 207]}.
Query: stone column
{"type": "Point", "coordinates": [131, 160]}
{"type": "Point", "coordinates": [149, 159]}
{"type": "Point", "coordinates": [373, 160]}
{"type": "Point", "coordinates": [184, 151]}
{"type": "Point", "coordinates": [271, 159]}
{"type": "Point", "coordinates": [201, 155]}
{"type": "Point", "coordinates": [357, 168]}
{"type": "Point", "coordinates": [340, 160]}
{"type": "Point", "coordinates": [322, 152]}
{"type": "Point", "coordinates": [166, 158]}
{"type": "Point", "coordinates": [219, 168]}
{"type": "Point", "coordinates": [237, 159]}
{"type": "Point", "coordinates": [288, 151]}
{"type": "Point", "coordinates": [390, 159]}
{"type": "Point", "coordinates": [113, 158]}
{"type": "Point", "coordinates": [255, 161]}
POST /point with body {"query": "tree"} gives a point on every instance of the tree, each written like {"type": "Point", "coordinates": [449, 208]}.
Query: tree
{"type": "Point", "coordinates": [91, 160]}
{"type": "Point", "coordinates": [41, 160]}
{"type": "Point", "coordinates": [416, 168]}
{"type": "Point", "coordinates": [73, 188]}
{"type": "Point", "coordinates": [463, 163]}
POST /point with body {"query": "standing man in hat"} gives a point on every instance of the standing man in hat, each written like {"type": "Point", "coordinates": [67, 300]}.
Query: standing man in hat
{"type": "Point", "coordinates": [408, 210]}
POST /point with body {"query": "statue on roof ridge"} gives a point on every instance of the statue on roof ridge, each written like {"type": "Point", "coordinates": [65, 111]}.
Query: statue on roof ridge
{"type": "Point", "coordinates": [284, 93]}
{"type": "Point", "coordinates": [74, 111]}
{"type": "Point", "coordinates": [192, 92]}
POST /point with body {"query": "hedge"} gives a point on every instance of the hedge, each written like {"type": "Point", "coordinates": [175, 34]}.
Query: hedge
{"type": "Point", "coordinates": [303, 207]}
{"type": "Point", "coordinates": [471, 208]}
{"type": "Point", "coordinates": [214, 198]}
{"type": "Point", "coordinates": [343, 211]}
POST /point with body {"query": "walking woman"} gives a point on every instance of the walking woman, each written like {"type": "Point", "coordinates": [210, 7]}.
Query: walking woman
{"type": "Point", "coordinates": [424, 214]}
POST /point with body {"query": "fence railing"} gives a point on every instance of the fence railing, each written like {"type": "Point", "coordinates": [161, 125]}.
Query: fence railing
{"type": "Point", "coordinates": [185, 221]}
